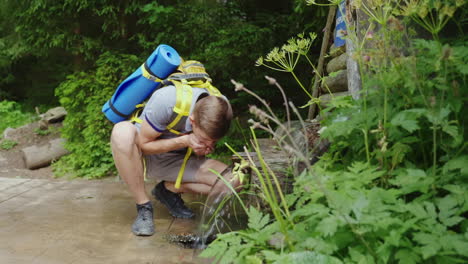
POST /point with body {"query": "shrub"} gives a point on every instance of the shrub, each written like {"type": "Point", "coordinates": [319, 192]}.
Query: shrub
{"type": "Point", "coordinates": [7, 144]}
{"type": "Point", "coordinates": [393, 186]}
{"type": "Point", "coordinates": [86, 128]}
{"type": "Point", "coordinates": [12, 115]}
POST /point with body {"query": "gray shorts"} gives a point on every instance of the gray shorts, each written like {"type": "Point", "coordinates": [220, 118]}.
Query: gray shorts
{"type": "Point", "coordinates": [166, 166]}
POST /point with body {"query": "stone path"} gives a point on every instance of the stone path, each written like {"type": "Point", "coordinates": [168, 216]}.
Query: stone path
{"type": "Point", "coordinates": [57, 221]}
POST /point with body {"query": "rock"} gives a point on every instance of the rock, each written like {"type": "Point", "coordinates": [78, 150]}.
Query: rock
{"type": "Point", "coordinates": [325, 99]}
{"type": "Point", "coordinates": [336, 64]}
{"type": "Point", "coordinates": [8, 133]}
{"type": "Point", "coordinates": [306, 140]}
{"type": "Point", "coordinates": [336, 82]}
{"type": "Point", "coordinates": [41, 156]}
{"type": "Point", "coordinates": [280, 155]}
{"type": "Point", "coordinates": [336, 51]}
{"type": "Point", "coordinates": [278, 161]}
{"type": "Point", "coordinates": [3, 161]}
{"type": "Point", "coordinates": [54, 115]}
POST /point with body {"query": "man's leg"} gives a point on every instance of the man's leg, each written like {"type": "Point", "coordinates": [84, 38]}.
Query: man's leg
{"type": "Point", "coordinates": [205, 179]}
{"type": "Point", "coordinates": [127, 158]}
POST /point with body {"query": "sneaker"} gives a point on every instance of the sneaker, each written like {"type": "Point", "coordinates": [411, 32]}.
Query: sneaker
{"type": "Point", "coordinates": [143, 225]}
{"type": "Point", "coordinates": [172, 201]}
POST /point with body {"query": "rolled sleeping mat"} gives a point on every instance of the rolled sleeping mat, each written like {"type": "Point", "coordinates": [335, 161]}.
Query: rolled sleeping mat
{"type": "Point", "coordinates": [141, 84]}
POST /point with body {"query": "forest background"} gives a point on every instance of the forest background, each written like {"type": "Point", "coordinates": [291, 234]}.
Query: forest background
{"type": "Point", "coordinates": [75, 53]}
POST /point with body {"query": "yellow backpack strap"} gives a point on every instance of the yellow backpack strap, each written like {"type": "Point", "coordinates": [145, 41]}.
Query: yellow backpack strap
{"type": "Point", "coordinates": [182, 169]}
{"type": "Point", "coordinates": [184, 95]}
{"type": "Point", "coordinates": [136, 114]}
{"type": "Point", "coordinates": [211, 89]}
{"type": "Point", "coordinates": [146, 72]}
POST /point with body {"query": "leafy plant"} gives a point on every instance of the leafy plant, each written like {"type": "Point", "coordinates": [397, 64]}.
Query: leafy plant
{"type": "Point", "coordinates": [86, 129]}
{"type": "Point", "coordinates": [42, 132]}
{"type": "Point", "coordinates": [8, 144]}
{"type": "Point", "coordinates": [12, 115]}
{"type": "Point", "coordinates": [393, 186]}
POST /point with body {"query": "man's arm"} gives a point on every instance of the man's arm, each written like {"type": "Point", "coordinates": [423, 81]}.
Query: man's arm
{"type": "Point", "coordinates": [150, 144]}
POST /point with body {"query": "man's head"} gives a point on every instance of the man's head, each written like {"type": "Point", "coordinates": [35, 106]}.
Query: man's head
{"type": "Point", "coordinates": [211, 118]}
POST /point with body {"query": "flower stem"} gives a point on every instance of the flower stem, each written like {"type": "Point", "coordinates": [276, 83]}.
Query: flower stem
{"type": "Point", "coordinates": [302, 86]}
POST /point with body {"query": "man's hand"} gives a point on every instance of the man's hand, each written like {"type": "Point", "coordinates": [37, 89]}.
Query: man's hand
{"type": "Point", "coordinates": [199, 147]}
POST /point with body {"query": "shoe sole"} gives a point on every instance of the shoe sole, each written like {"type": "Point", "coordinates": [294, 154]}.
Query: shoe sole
{"type": "Point", "coordinates": [167, 206]}
{"type": "Point", "coordinates": [143, 234]}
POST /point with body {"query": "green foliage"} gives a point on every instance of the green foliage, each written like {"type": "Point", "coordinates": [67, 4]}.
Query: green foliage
{"type": "Point", "coordinates": [12, 115]}
{"type": "Point", "coordinates": [42, 132]}
{"type": "Point", "coordinates": [86, 129]}
{"type": "Point", "coordinates": [7, 144]}
{"type": "Point", "coordinates": [224, 37]}
{"type": "Point", "coordinates": [236, 138]}
{"type": "Point", "coordinates": [42, 42]}
{"type": "Point", "coordinates": [393, 186]}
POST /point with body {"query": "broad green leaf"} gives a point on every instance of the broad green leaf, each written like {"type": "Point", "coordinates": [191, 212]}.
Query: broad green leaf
{"type": "Point", "coordinates": [319, 245]}
{"type": "Point", "coordinates": [448, 208]}
{"type": "Point", "coordinates": [451, 130]}
{"type": "Point", "coordinates": [256, 219]}
{"type": "Point", "coordinates": [215, 249]}
{"type": "Point", "coordinates": [406, 256]}
{"type": "Point", "coordinates": [359, 257]}
{"type": "Point", "coordinates": [270, 255]}
{"type": "Point", "coordinates": [455, 189]}
{"type": "Point", "coordinates": [439, 116]}
{"type": "Point", "coordinates": [402, 120]}
{"type": "Point", "coordinates": [413, 180]}
{"type": "Point", "coordinates": [359, 205]}
{"type": "Point", "coordinates": [253, 260]}
{"type": "Point", "coordinates": [306, 257]}
{"type": "Point", "coordinates": [399, 151]}
{"type": "Point", "coordinates": [430, 242]}
{"type": "Point", "coordinates": [429, 250]}
{"type": "Point", "coordinates": [460, 162]}
{"type": "Point", "coordinates": [327, 226]}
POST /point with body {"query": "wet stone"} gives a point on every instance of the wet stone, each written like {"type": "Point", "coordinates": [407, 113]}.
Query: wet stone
{"type": "Point", "coordinates": [189, 240]}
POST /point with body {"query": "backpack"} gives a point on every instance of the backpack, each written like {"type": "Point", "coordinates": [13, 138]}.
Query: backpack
{"type": "Point", "coordinates": [189, 74]}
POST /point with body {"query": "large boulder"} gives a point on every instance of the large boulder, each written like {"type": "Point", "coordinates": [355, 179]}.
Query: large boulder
{"type": "Point", "coordinates": [336, 51]}
{"type": "Point", "coordinates": [54, 115]}
{"type": "Point", "coordinates": [8, 133]}
{"type": "Point", "coordinates": [338, 63]}
{"type": "Point", "coordinates": [326, 98]}
{"type": "Point", "coordinates": [41, 156]}
{"type": "Point", "coordinates": [336, 82]}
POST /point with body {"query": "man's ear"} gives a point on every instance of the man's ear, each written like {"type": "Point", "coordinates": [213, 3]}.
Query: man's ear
{"type": "Point", "coordinates": [192, 119]}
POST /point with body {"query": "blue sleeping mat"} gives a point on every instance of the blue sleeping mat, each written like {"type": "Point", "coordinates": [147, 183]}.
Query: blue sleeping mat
{"type": "Point", "coordinates": [136, 88]}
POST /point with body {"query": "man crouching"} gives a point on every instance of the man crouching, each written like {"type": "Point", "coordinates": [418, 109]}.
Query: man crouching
{"type": "Point", "coordinates": [162, 141]}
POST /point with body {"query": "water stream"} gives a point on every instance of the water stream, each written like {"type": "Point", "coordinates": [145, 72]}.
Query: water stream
{"type": "Point", "coordinates": [221, 213]}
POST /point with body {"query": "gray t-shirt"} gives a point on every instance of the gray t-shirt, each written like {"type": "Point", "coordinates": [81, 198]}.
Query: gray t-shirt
{"type": "Point", "coordinates": [158, 111]}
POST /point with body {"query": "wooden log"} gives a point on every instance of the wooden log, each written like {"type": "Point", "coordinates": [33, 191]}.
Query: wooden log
{"type": "Point", "coordinates": [323, 51]}
{"type": "Point", "coordinates": [41, 156]}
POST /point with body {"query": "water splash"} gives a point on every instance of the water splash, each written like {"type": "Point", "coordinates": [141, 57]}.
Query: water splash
{"type": "Point", "coordinates": [219, 213]}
